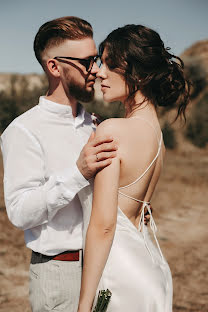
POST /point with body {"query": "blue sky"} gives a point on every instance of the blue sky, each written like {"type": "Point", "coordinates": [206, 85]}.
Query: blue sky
{"type": "Point", "coordinates": [179, 22]}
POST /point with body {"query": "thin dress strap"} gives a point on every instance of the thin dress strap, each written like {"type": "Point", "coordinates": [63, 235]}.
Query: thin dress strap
{"type": "Point", "coordinates": [152, 162]}
{"type": "Point", "coordinates": [153, 228]}
{"type": "Point", "coordinates": [150, 165]}
{"type": "Point", "coordinates": [146, 204]}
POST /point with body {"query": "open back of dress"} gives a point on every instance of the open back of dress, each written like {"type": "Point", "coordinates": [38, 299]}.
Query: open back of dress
{"type": "Point", "coordinates": [136, 271]}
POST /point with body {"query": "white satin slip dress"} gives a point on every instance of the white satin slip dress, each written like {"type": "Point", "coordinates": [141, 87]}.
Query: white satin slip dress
{"type": "Point", "coordinates": [136, 271]}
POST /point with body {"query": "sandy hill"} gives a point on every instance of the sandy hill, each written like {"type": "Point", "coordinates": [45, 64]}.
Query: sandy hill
{"type": "Point", "coordinates": [198, 50]}
{"type": "Point", "coordinates": [33, 80]}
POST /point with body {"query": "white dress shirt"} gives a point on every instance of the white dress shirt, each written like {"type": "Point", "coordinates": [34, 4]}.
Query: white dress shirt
{"type": "Point", "coordinates": [41, 180]}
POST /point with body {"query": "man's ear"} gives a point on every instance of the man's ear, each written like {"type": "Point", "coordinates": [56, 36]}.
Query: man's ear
{"type": "Point", "coordinates": [53, 67]}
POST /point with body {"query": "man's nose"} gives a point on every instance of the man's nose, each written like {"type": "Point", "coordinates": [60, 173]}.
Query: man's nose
{"type": "Point", "coordinates": [101, 73]}
{"type": "Point", "coordinates": [95, 68]}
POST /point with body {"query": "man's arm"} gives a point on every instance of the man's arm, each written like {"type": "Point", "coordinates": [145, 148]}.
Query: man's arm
{"type": "Point", "coordinates": [30, 199]}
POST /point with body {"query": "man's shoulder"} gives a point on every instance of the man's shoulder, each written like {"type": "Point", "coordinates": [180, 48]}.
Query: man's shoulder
{"type": "Point", "coordinates": [25, 120]}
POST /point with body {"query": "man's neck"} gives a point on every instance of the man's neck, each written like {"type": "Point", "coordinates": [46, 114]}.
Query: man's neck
{"type": "Point", "coordinates": [64, 100]}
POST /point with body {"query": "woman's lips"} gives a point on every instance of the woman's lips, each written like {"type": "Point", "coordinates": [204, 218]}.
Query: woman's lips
{"type": "Point", "coordinates": [104, 87]}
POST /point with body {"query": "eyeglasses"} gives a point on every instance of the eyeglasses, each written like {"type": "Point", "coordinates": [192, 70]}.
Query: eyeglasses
{"type": "Point", "coordinates": [88, 63]}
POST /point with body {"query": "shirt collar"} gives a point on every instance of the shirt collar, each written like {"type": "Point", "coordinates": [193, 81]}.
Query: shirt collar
{"type": "Point", "coordinates": [63, 110]}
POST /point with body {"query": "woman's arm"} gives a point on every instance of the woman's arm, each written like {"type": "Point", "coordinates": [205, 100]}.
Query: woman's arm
{"type": "Point", "coordinates": [101, 230]}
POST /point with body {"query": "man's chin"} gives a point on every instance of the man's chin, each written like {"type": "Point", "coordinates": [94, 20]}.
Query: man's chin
{"type": "Point", "coordinates": [87, 97]}
{"type": "Point", "coordinates": [80, 94]}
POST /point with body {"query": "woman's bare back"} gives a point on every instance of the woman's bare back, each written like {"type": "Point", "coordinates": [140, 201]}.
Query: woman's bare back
{"type": "Point", "coordinates": [141, 162]}
{"type": "Point", "coordinates": [136, 271]}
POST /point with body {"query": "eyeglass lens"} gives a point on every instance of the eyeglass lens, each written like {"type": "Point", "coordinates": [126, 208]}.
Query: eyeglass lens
{"type": "Point", "coordinates": [92, 61]}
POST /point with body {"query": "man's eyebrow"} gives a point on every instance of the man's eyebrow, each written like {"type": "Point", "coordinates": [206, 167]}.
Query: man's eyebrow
{"type": "Point", "coordinates": [89, 56]}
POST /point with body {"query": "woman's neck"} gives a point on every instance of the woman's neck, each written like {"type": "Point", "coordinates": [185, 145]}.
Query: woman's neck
{"type": "Point", "coordinates": [143, 109]}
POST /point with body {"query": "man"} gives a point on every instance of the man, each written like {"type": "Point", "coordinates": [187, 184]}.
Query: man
{"type": "Point", "coordinates": [46, 165]}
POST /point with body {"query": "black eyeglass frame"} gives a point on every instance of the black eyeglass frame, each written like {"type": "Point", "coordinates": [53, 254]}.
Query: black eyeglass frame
{"type": "Point", "coordinates": [88, 63]}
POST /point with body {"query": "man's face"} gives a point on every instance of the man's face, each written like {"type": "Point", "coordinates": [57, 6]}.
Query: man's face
{"type": "Point", "coordinates": [76, 80]}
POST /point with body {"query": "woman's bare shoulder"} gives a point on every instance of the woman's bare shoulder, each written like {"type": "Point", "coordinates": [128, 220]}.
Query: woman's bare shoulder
{"type": "Point", "coordinates": [110, 126]}
{"type": "Point", "coordinates": [122, 128]}
{"type": "Point", "coordinates": [124, 125]}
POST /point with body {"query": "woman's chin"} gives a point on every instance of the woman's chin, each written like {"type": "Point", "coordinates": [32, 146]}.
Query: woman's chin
{"type": "Point", "coordinates": [109, 99]}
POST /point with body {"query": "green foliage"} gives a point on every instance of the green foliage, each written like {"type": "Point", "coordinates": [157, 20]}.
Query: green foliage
{"type": "Point", "coordinates": [8, 110]}
{"type": "Point", "coordinates": [105, 110]}
{"type": "Point", "coordinates": [197, 128]}
{"type": "Point", "coordinates": [169, 136]}
{"type": "Point", "coordinates": [18, 98]}
{"type": "Point", "coordinates": [103, 300]}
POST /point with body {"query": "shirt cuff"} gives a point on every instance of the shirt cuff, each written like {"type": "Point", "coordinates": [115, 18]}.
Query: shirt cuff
{"type": "Point", "coordinates": [72, 181]}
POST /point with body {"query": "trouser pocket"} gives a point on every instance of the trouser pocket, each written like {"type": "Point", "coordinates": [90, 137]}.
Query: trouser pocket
{"type": "Point", "coordinates": [55, 286]}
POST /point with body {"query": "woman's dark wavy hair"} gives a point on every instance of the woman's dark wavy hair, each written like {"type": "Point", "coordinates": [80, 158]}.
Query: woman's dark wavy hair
{"type": "Point", "coordinates": [138, 54]}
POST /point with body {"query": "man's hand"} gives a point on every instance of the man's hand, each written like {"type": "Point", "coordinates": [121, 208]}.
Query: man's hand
{"type": "Point", "coordinates": [96, 155]}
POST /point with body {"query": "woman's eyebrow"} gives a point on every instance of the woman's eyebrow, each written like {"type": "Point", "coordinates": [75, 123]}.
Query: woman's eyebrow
{"type": "Point", "coordinates": [104, 59]}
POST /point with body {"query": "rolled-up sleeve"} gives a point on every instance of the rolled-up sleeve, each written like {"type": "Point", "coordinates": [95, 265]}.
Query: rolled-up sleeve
{"type": "Point", "coordinates": [30, 199]}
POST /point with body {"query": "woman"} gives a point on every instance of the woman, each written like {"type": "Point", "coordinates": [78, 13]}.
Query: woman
{"type": "Point", "coordinates": [119, 254]}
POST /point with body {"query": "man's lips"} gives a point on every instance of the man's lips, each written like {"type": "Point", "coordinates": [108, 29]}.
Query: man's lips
{"type": "Point", "coordinates": [91, 82]}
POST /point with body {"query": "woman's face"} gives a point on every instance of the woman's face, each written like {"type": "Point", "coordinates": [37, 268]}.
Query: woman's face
{"type": "Point", "coordinates": [113, 84]}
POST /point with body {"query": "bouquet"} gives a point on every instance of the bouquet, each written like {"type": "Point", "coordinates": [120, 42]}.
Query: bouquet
{"type": "Point", "coordinates": [102, 301]}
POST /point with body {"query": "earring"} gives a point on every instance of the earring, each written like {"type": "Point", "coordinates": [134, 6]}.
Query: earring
{"type": "Point", "coordinates": [139, 80]}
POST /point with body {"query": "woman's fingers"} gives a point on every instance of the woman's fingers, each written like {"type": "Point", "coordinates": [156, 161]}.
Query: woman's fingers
{"type": "Point", "coordinates": [147, 215]}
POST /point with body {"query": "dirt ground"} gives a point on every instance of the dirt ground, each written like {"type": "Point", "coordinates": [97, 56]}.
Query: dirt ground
{"type": "Point", "coordinates": [180, 204]}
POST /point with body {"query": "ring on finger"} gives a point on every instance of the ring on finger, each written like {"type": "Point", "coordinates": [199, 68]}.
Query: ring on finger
{"type": "Point", "coordinates": [97, 157]}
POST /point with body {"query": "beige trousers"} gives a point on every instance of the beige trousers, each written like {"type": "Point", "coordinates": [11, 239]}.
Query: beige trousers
{"type": "Point", "coordinates": [55, 285]}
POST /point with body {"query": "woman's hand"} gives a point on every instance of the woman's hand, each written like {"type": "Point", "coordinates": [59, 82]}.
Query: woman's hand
{"type": "Point", "coordinates": [147, 216]}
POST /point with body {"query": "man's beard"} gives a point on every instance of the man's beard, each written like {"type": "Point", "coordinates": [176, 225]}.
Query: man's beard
{"type": "Point", "coordinates": [80, 93]}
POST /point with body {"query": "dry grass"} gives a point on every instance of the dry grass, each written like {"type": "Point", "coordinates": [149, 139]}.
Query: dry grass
{"type": "Point", "coordinates": [180, 212]}
{"type": "Point", "coordinates": [181, 202]}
